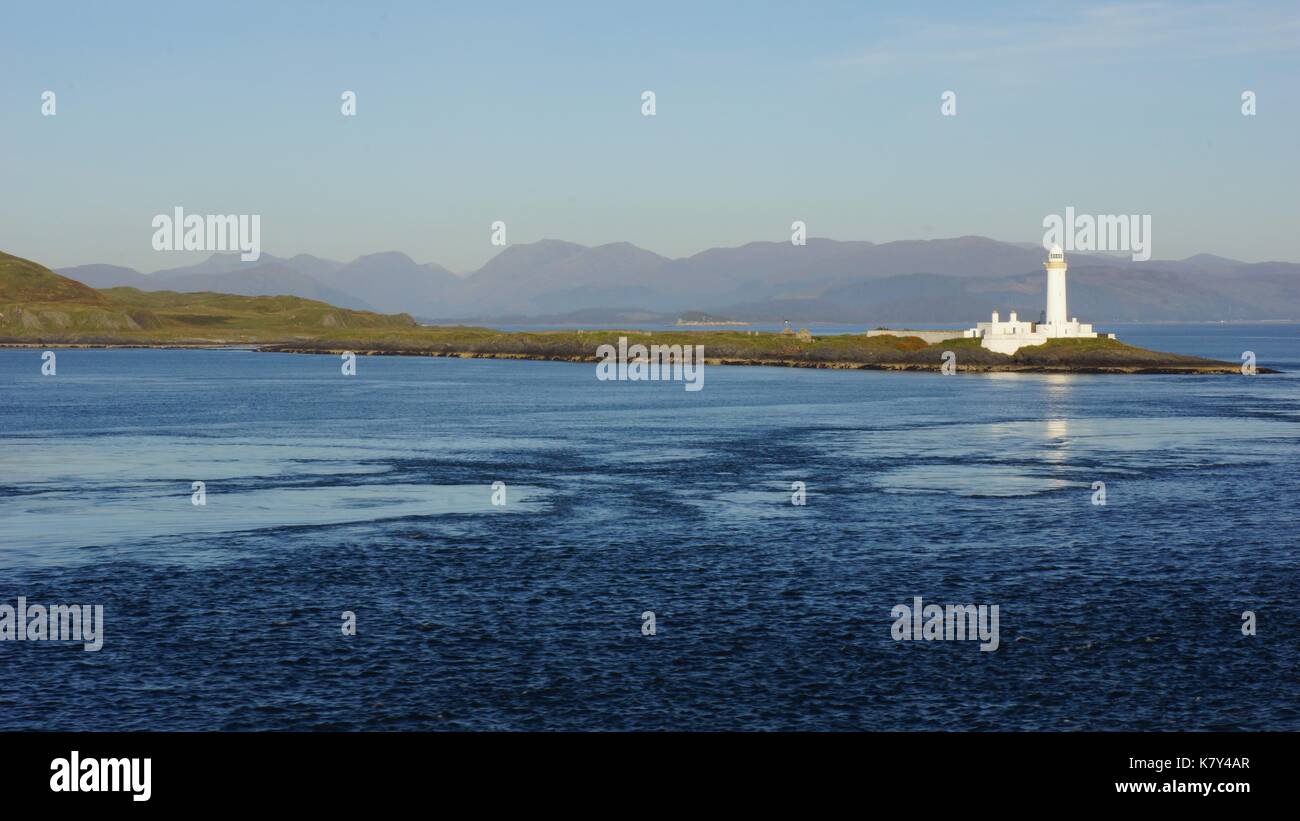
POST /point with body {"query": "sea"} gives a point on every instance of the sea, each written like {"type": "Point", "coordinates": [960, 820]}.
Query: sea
{"type": "Point", "coordinates": [448, 544]}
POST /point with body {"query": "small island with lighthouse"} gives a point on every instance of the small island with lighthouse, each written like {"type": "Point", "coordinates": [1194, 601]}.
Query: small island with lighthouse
{"type": "Point", "coordinates": [42, 309]}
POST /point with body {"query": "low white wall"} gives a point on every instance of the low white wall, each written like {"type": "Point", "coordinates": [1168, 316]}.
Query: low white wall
{"type": "Point", "coordinates": [928, 336]}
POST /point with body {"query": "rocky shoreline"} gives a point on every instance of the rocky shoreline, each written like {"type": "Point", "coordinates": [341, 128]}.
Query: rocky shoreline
{"type": "Point", "coordinates": [1172, 368]}
{"type": "Point", "coordinates": [1124, 360]}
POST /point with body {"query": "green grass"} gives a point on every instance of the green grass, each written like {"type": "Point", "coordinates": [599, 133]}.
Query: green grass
{"type": "Point", "coordinates": [573, 344]}
{"type": "Point", "coordinates": [22, 280]}
{"type": "Point", "coordinates": [1082, 345]}
{"type": "Point", "coordinates": [963, 344]}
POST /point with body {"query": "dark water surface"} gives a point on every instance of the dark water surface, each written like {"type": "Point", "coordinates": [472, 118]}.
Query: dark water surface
{"type": "Point", "coordinates": [372, 494]}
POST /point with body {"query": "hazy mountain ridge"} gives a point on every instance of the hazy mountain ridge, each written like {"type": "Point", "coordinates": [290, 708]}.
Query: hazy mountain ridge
{"type": "Point", "coordinates": [269, 279]}
{"type": "Point", "coordinates": [393, 282]}
{"type": "Point", "coordinates": [108, 276]}
{"type": "Point", "coordinates": [946, 280]}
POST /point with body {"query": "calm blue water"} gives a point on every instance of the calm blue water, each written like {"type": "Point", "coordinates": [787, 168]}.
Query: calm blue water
{"type": "Point", "coordinates": [372, 494]}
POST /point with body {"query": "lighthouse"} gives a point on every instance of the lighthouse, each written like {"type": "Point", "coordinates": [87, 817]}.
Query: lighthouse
{"type": "Point", "coordinates": [1055, 265]}
{"type": "Point", "coordinates": [1011, 335]}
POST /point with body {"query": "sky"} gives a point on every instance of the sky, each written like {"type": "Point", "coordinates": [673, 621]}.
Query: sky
{"type": "Point", "coordinates": [531, 114]}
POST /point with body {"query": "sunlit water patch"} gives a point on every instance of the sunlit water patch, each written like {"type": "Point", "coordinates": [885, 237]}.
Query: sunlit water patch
{"type": "Point", "coordinates": [969, 480]}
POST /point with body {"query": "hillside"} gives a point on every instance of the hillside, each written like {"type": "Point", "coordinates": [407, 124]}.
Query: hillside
{"type": "Point", "coordinates": [22, 280]}
{"type": "Point", "coordinates": [40, 306]}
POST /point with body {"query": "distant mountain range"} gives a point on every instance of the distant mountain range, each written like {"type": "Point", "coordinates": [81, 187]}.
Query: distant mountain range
{"type": "Point", "coordinates": [827, 281]}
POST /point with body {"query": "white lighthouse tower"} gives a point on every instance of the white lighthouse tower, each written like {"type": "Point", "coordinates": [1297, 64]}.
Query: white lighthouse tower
{"type": "Point", "coordinates": [1055, 265]}
{"type": "Point", "coordinates": [1011, 335]}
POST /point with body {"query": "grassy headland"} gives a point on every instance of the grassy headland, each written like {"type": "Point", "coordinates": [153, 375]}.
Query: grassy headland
{"type": "Point", "coordinates": [39, 308]}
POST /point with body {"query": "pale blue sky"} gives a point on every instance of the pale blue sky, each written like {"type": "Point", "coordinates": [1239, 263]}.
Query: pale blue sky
{"type": "Point", "coordinates": [530, 113]}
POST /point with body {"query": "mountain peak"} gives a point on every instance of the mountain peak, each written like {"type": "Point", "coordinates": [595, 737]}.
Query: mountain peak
{"type": "Point", "coordinates": [384, 257]}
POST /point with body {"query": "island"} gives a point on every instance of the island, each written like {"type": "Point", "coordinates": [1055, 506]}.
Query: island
{"type": "Point", "coordinates": [41, 309]}
{"type": "Point", "coordinates": [701, 318]}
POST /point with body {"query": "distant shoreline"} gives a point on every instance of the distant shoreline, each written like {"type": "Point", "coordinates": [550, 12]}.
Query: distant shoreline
{"type": "Point", "coordinates": [682, 324]}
